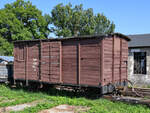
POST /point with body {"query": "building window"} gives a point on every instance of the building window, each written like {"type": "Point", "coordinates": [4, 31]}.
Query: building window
{"type": "Point", "coordinates": [139, 62]}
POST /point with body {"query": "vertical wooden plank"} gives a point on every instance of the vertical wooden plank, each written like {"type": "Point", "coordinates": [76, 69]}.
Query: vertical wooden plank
{"type": "Point", "coordinates": [113, 58]}
{"type": "Point", "coordinates": [40, 55]}
{"type": "Point", "coordinates": [99, 63]}
{"type": "Point", "coordinates": [26, 61]}
{"type": "Point", "coordinates": [120, 59]}
{"type": "Point", "coordinates": [14, 66]}
{"type": "Point", "coordinates": [102, 63]}
{"type": "Point", "coordinates": [40, 61]}
{"type": "Point", "coordinates": [26, 65]}
{"type": "Point", "coordinates": [126, 60]}
{"type": "Point", "coordinates": [79, 63]}
{"type": "Point", "coordinates": [49, 60]}
{"type": "Point", "coordinates": [60, 62]}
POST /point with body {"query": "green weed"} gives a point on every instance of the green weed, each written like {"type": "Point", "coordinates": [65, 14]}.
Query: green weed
{"type": "Point", "coordinates": [53, 98]}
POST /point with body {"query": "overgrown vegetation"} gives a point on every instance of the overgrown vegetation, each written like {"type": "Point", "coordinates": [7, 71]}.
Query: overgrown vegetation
{"type": "Point", "coordinates": [54, 97]}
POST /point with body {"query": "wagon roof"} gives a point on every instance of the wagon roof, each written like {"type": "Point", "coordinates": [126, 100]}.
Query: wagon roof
{"type": "Point", "coordinates": [79, 37]}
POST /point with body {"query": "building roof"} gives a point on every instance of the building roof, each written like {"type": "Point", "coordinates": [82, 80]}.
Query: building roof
{"type": "Point", "coordinates": [7, 58]}
{"type": "Point", "coordinates": [139, 40]}
{"type": "Point", "coordinates": [79, 37]}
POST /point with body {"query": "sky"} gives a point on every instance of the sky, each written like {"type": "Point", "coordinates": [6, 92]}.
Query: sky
{"type": "Point", "coordinates": [129, 16]}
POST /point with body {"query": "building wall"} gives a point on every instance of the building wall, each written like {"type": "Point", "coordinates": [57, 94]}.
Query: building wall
{"type": "Point", "coordinates": [139, 79]}
{"type": "Point", "coordinates": [6, 72]}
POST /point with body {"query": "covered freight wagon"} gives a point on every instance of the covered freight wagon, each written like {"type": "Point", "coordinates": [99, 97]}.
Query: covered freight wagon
{"type": "Point", "coordinates": [86, 61]}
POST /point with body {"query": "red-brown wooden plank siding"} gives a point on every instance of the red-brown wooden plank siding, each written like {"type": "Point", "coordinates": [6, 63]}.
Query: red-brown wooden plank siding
{"type": "Point", "coordinates": [114, 60]}
{"type": "Point", "coordinates": [19, 61]}
{"type": "Point", "coordinates": [81, 62]}
{"type": "Point", "coordinates": [107, 61]}
{"type": "Point", "coordinates": [88, 61]}
{"type": "Point", "coordinates": [33, 61]}
{"type": "Point", "coordinates": [50, 62]}
{"type": "Point", "coordinates": [69, 62]}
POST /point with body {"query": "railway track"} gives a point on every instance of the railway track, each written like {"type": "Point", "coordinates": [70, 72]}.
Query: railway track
{"type": "Point", "coordinates": [132, 96]}
{"type": "Point", "coordinates": [137, 92]}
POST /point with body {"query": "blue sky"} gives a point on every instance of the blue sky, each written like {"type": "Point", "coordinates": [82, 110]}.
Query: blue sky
{"type": "Point", "coordinates": [129, 16]}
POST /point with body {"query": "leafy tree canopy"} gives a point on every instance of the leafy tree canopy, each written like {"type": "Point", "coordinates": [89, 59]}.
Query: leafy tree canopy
{"type": "Point", "coordinates": [75, 21]}
{"type": "Point", "coordinates": [21, 21]}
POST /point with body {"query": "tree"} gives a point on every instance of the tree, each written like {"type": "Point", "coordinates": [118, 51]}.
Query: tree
{"type": "Point", "coordinates": [5, 47]}
{"type": "Point", "coordinates": [75, 21]}
{"type": "Point", "coordinates": [21, 21]}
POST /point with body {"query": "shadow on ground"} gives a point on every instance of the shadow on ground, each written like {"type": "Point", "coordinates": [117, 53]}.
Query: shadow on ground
{"type": "Point", "coordinates": [56, 90]}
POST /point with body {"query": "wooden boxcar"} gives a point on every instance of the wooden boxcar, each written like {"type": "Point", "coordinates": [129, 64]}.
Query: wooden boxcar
{"type": "Point", "coordinates": [87, 61]}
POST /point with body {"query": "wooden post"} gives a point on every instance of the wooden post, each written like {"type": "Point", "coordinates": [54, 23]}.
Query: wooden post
{"type": "Point", "coordinates": [40, 55]}
{"type": "Point", "coordinates": [113, 52]}
{"type": "Point", "coordinates": [120, 59]}
{"type": "Point", "coordinates": [60, 62]}
{"type": "Point", "coordinates": [102, 63]}
{"type": "Point", "coordinates": [26, 66]}
{"type": "Point", "coordinates": [79, 63]}
{"type": "Point", "coordinates": [127, 61]}
{"type": "Point", "coordinates": [14, 65]}
{"type": "Point", "coordinates": [49, 61]}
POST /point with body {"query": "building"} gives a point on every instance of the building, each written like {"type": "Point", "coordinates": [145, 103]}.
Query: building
{"type": "Point", "coordinates": [139, 59]}
{"type": "Point", "coordinates": [6, 59]}
{"type": "Point", "coordinates": [6, 68]}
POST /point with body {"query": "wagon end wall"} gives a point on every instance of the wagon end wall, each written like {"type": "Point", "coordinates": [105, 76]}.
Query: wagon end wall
{"type": "Point", "coordinates": [115, 54]}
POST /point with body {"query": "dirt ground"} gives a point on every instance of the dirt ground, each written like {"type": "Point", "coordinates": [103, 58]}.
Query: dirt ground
{"type": "Point", "coordinates": [19, 107]}
{"type": "Point", "coordinates": [58, 109]}
{"type": "Point", "coordinates": [66, 109]}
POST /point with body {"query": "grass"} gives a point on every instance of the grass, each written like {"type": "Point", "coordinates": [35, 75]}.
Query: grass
{"type": "Point", "coordinates": [54, 97]}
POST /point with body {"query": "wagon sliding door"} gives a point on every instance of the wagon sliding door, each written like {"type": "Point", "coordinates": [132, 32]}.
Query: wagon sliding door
{"type": "Point", "coordinates": [50, 62]}
{"type": "Point", "coordinates": [70, 62]}
{"type": "Point", "coordinates": [81, 62]}
{"type": "Point", "coordinates": [89, 62]}
{"type": "Point", "coordinates": [19, 61]}
{"type": "Point", "coordinates": [32, 62]}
